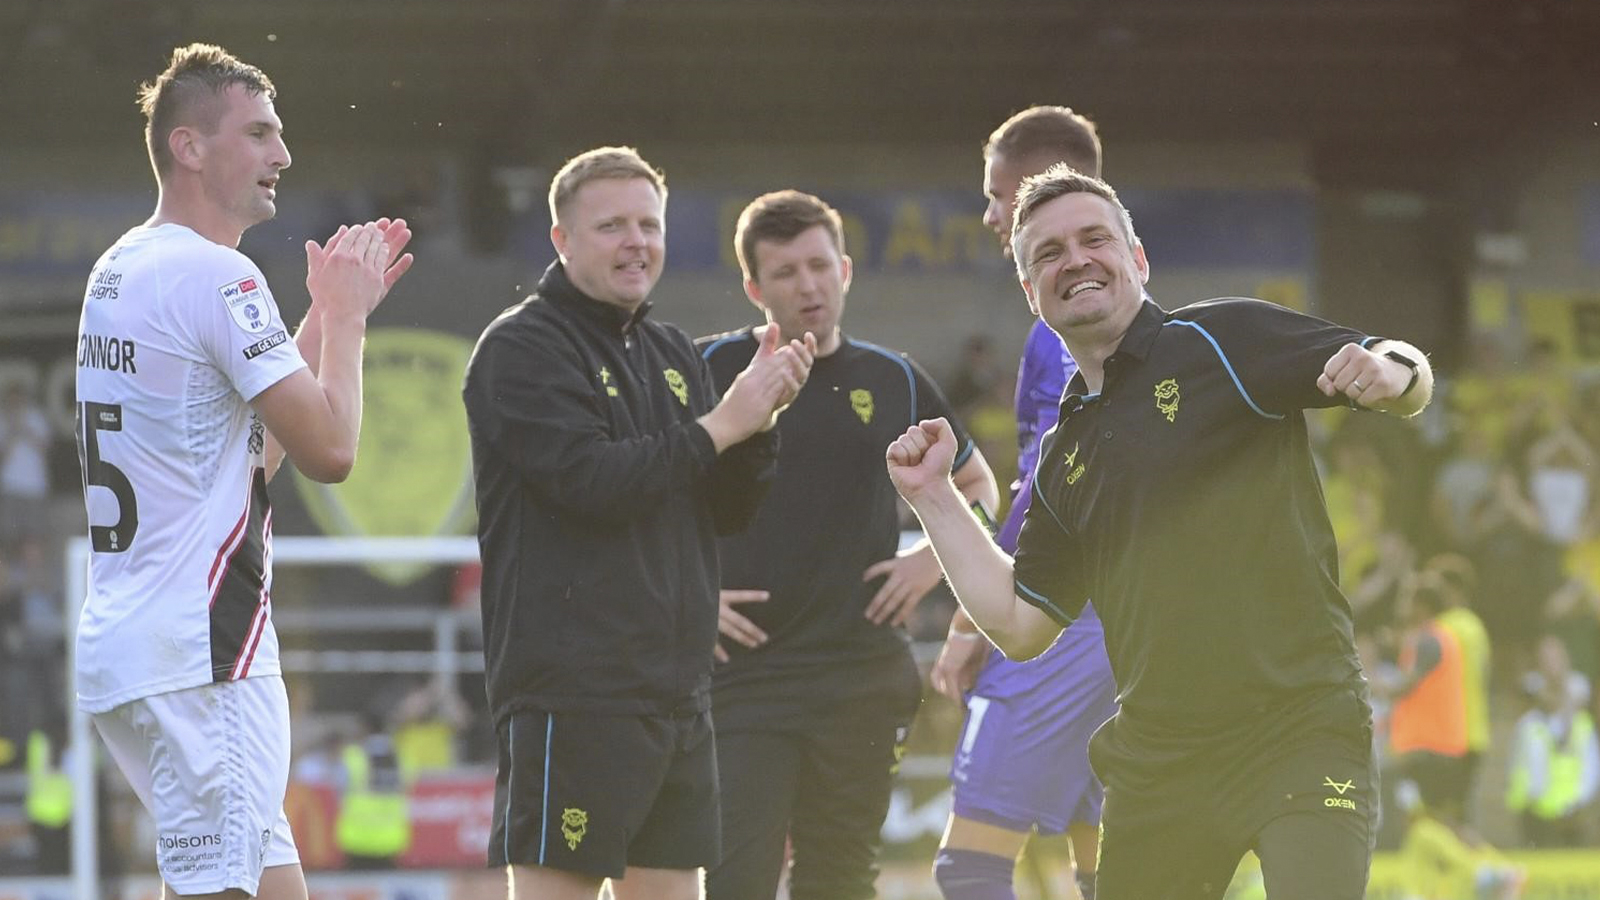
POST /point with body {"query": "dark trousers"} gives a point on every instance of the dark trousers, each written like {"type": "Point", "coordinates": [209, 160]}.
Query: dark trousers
{"type": "Point", "coordinates": [823, 786]}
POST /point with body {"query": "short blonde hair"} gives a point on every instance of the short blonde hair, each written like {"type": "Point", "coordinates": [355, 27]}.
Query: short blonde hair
{"type": "Point", "coordinates": [601, 162]}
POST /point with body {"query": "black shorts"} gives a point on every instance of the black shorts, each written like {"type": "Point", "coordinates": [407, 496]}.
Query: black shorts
{"type": "Point", "coordinates": [596, 794]}
{"type": "Point", "coordinates": [1305, 800]}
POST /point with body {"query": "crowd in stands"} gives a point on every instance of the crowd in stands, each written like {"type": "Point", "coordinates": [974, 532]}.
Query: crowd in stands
{"type": "Point", "coordinates": [1469, 547]}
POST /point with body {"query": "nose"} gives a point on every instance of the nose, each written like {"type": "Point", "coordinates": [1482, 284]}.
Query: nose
{"type": "Point", "coordinates": [991, 215]}
{"type": "Point", "coordinates": [807, 281]}
{"type": "Point", "coordinates": [284, 159]}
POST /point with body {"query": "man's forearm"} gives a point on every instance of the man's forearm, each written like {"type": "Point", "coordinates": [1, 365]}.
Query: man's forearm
{"type": "Point", "coordinates": [308, 339]}
{"type": "Point", "coordinates": [975, 481]}
{"type": "Point", "coordinates": [979, 573]}
{"type": "Point", "coordinates": [339, 373]}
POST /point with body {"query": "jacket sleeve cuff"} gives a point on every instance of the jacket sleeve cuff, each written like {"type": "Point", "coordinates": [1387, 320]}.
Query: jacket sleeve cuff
{"type": "Point", "coordinates": [705, 450]}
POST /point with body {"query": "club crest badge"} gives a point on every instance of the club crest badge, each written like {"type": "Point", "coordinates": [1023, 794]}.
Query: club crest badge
{"type": "Point", "coordinates": [1167, 398]}
{"type": "Point", "coordinates": [414, 475]}
{"type": "Point", "coordinates": [679, 387]}
{"type": "Point", "coordinates": [861, 402]}
{"type": "Point", "coordinates": [574, 825]}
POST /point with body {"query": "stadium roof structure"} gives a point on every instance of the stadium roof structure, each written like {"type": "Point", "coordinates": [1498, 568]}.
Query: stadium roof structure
{"type": "Point", "coordinates": [511, 74]}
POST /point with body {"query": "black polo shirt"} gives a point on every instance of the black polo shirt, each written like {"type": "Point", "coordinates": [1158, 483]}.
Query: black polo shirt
{"type": "Point", "coordinates": [1183, 500]}
{"type": "Point", "coordinates": [830, 514]}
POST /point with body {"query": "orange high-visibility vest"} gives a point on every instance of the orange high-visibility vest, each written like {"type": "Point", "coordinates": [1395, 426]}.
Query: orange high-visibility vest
{"type": "Point", "coordinates": [1433, 717]}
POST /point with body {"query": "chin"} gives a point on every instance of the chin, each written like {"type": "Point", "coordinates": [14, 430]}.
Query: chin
{"type": "Point", "coordinates": [262, 211]}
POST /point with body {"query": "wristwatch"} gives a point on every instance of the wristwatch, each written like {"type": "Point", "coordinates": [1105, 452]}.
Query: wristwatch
{"type": "Point", "coordinates": [1409, 363]}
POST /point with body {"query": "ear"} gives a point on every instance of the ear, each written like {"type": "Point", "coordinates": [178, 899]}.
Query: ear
{"type": "Point", "coordinates": [1143, 263]}
{"type": "Point", "coordinates": [558, 239]}
{"type": "Point", "coordinates": [1033, 300]}
{"type": "Point", "coordinates": [186, 148]}
{"type": "Point", "coordinates": [752, 290]}
{"type": "Point", "coordinates": [846, 269]}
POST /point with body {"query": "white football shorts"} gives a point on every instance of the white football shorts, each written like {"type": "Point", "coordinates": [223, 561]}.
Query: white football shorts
{"type": "Point", "coordinates": [211, 764]}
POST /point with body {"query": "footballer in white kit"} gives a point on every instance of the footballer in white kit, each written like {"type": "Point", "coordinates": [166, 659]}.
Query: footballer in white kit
{"type": "Point", "coordinates": [178, 334]}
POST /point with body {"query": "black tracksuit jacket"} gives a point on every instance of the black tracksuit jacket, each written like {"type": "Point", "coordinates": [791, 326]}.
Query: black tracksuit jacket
{"type": "Point", "coordinates": [599, 502]}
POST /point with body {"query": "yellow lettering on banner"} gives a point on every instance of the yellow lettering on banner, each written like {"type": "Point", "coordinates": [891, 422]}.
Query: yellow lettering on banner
{"type": "Point", "coordinates": [855, 236]}
{"type": "Point", "coordinates": [965, 239]}
{"type": "Point", "coordinates": [910, 237]}
{"type": "Point", "coordinates": [955, 239]}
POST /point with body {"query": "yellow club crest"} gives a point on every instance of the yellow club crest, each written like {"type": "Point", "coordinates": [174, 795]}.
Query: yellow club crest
{"type": "Point", "coordinates": [1167, 398]}
{"type": "Point", "coordinates": [680, 388]}
{"type": "Point", "coordinates": [861, 402]}
{"type": "Point", "coordinates": [574, 825]}
{"type": "Point", "coordinates": [414, 476]}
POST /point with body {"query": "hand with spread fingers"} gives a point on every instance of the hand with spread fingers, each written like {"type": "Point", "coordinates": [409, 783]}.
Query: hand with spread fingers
{"type": "Point", "coordinates": [734, 625]}
{"type": "Point", "coordinates": [387, 238]}
{"type": "Point", "coordinates": [907, 576]}
{"type": "Point", "coordinates": [960, 660]}
{"type": "Point", "coordinates": [764, 389]}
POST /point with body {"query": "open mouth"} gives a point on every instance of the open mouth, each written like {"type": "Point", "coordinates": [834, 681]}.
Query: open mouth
{"type": "Point", "coordinates": [1083, 286]}
{"type": "Point", "coordinates": [637, 267]}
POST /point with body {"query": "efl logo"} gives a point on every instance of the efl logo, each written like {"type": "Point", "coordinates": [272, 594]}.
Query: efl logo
{"type": "Point", "coordinates": [248, 304]}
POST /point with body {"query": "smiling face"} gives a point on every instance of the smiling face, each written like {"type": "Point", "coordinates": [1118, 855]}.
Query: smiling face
{"type": "Point", "coordinates": [240, 160]}
{"type": "Point", "coordinates": [801, 284]}
{"type": "Point", "coordinates": [1079, 266]}
{"type": "Point", "coordinates": [612, 239]}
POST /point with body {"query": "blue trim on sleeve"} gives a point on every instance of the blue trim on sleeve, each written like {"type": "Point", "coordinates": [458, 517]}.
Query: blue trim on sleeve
{"type": "Point", "coordinates": [1037, 599]}
{"type": "Point", "coordinates": [911, 378]}
{"type": "Point", "coordinates": [964, 454]}
{"type": "Point", "coordinates": [1367, 342]}
{"type": "Point", "coordinates": [1038, 494]}
{"type": "Point", "coordinates": [1238, 385]}
{"type": "Point", "coordinates": [711, 347]}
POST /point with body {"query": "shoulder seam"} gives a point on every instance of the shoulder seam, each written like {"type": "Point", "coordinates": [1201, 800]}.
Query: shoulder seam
{"type": "Point", "coordinates": [720, 342]}
{"type": "Point", "coordinates": [1227, 366]}
{"type": "Point", "coordinates": [898, 359]}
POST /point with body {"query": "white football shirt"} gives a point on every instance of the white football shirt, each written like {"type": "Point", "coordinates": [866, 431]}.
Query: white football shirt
{"type": "Point", "coordinates": [177, 335]}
